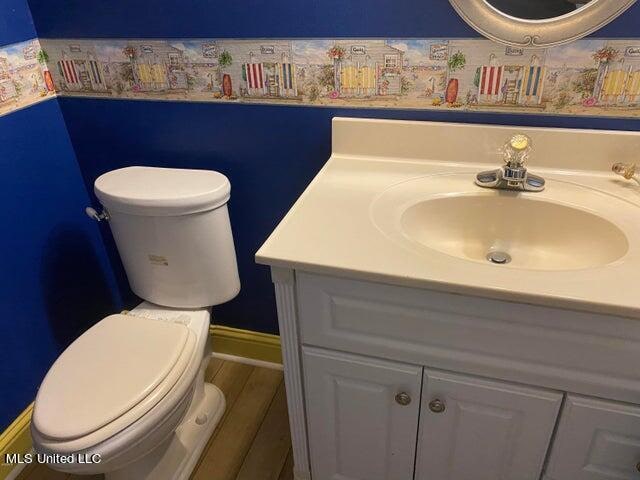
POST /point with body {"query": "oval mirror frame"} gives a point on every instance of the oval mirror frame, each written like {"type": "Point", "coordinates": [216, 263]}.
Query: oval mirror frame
{"type": "Point", "coordinates": [518, 32]}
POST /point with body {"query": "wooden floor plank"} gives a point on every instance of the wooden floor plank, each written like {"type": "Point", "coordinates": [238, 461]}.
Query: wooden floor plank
{"type": "Point", "coordinates": [287, 468]}
{"type": "Point", "coordinates": [26, 471]}
{"type": "Point", "coordinates": [212, 369]}
{"type": "Point", "coordinates": [43, 472]}
{"type": "Point", "coordinates": [233, 439]}
{"type": "Point", "coordinates": [231, 379]}
{"type": "Point", "coordinates": [269, 449]}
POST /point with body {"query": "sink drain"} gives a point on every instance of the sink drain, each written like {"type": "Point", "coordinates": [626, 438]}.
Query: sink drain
{"type": "Point", "coordinates": [499, 257]}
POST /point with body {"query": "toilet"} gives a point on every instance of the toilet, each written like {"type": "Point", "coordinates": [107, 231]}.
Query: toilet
{"type": "Point", "coordinates": [128, 398]}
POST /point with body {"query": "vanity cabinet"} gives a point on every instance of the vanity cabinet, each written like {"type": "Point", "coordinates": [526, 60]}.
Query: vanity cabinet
{"type": "Point", "coordinates": [362, 416]}
{"type": "Point", "coordinates": [596, 440]}
{"type": "Point", "coordinates": [389, 382]}
{"type": "Point", "coordinates": [477, 429]}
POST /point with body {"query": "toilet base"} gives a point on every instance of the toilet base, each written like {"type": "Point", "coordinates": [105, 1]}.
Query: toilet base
{"type": "Point", "coordinates": [177, 456]}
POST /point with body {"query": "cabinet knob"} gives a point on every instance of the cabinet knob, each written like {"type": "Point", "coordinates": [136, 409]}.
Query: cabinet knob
{"type": "Point", "coordinates": [638, 466]}
{"type": "Point", "coordinates": [437, 406]}
{"type": "Point", "coordinates": [403, 398]}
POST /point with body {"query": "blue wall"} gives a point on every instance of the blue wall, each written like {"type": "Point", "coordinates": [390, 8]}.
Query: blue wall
{"type": "Point", "coordinates": [260, 19]}
{"type": "Point", "coordinates": [16, 24]}
{"type": "Point", "coordinates": [55, 279]}
{"type": "Point", "coordinates": [270, 153]}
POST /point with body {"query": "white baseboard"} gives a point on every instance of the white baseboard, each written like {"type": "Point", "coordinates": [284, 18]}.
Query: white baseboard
{"type": "Point", "coordinates": [248, 361]}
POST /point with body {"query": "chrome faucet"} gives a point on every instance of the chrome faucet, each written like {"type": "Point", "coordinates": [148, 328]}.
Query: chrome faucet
{"type": "Point", "coordinates": [513, 175]}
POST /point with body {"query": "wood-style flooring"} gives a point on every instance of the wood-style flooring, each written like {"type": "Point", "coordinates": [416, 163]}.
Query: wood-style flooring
{"type": "Point", "coordinates": [251, 441]}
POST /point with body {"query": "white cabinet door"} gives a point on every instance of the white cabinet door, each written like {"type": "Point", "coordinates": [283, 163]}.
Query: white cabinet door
{"type": "Point", "coordinates": [362, 415]}
{"type": "Point", "coordinates": [476, 429]}
{"type": "Point", "coordinates": [596, 440]}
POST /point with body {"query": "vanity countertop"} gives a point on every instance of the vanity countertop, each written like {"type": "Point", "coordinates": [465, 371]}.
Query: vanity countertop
{"type": "Point", "coordinates": [330, 229]}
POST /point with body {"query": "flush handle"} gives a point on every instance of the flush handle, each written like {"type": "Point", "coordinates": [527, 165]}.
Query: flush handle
{"type": "Point", "coordinates": [98, 217]}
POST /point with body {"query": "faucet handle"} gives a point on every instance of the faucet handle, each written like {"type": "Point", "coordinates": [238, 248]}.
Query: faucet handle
{"type": "Point", "coordinates": [517, 149]}
{"type": "Point", "coordinates": [627, 170]}
{"type": "Point", "coordinates": [520, 142]}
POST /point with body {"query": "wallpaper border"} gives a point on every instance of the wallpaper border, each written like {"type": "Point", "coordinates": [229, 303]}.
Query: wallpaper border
{"type": "Point", "coordinates": [24, 77]}
{"type": "Point", "coordinates": [590, 77]}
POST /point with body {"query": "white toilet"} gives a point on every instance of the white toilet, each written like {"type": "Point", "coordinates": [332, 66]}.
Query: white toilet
{"type": "Point", "coordinates": [130, 391]}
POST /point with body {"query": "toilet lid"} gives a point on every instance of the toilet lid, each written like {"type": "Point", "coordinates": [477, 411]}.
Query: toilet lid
{"type": "Point", "coordinates": [162, 191]}
{"type": "Point", "coordinates": [117, 364]}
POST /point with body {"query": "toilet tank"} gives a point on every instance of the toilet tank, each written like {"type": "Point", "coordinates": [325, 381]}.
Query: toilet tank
{"type": "Point", "coordinates": [173, 233]}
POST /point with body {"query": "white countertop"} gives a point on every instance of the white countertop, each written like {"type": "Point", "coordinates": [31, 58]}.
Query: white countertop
{"type": "Point", "coordinates": [330, 230]}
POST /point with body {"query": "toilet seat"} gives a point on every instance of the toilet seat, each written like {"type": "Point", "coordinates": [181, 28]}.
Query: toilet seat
{"type": "Point", "coordinates": [109, 378]}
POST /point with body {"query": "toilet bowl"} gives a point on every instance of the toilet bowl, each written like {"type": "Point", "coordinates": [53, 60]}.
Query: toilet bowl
{"type": "Point", "coordinates": [131, 384]}
{"type": "Point", "coordinates": [128, 398]}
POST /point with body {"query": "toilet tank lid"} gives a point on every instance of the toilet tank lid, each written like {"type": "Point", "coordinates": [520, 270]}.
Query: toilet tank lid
{"type": "Point", "coordinates": [162, 191]}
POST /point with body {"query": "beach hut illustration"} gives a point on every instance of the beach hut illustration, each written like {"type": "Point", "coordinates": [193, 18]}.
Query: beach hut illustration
{"type": "Point", "coordinates": [621, 86]}
{"type": "Point", "coordinates": [511, 84]}
{"type": "Point", "coordinates": [369, 68]}
{"type": "Point", "coordinates": [157, 66]}
{"type": "Point", "coordinates": [632, 89]}
{"type": "Point", "coordinates": [532, 83]}
{"type": "Point", "coordinates": [256, 85]}
{"type": "Point", "coordinates": [69, 73]}
{"type": "Point", "coordinates": [79, 69]}
{"type": "Point", "coordinates": [618, 75]}
{"type": "Point", "coordinates": [491, 78]}
{"type": "Point", "coordinates": [358, 78]}
{"type": "Point", "coordinates": [269, 78]}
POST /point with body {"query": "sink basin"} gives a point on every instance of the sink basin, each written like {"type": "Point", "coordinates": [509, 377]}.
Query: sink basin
{"type": "Point", "coordinates": [534, 234]}
{"type": "Point", "coordinates": [528, 231]}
